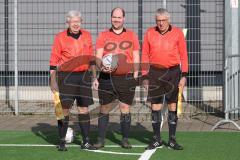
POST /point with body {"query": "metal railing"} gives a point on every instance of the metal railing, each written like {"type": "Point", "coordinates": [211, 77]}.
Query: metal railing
{"type": "Point", "coordinates": [232, 90]}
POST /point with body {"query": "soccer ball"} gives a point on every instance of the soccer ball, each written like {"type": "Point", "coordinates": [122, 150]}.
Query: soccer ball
{"type": "Point", "coordinates": [69, 135]}
{"type": "Point", "coordinates": [110, 60]}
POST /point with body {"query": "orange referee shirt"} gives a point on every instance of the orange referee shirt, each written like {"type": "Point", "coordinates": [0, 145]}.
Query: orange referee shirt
{"type": "Point", "coordinates": [164, 50]}
{"type": "Point", "coordinates": [122, 44]}
{"type": "Point", "coordinates": [71, 54]}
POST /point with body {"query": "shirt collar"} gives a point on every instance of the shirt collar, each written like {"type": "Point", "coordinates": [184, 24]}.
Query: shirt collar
{"type": "Point", "coordinates": [111, 30]}
{"type": "Point", "coordinates": [169, 29]}
{"type": "Point", "coordinates": [75, 36]}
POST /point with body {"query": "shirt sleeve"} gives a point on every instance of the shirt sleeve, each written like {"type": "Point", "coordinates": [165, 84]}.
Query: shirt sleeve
{"type": "Point", "coordinates": [100, 41]}
{"type": "Point", "coordinates": [55, 54]}
{"type": "Point", "coordinates": [183, 53]}
{"type": "Point", "coordinates": [136, 45]}
{"type": "Point", "coordinates": [91, 50]}
{"type": "Point", "coordinates": [145, 55]}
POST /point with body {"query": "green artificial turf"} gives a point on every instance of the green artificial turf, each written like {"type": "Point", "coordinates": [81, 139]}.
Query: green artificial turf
{"type": "Point", "coordinates": [197, 146]}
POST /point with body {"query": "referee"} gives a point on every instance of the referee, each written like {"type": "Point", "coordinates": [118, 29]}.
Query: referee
{"type": "Point", "coordinates": [70, 63]}
{"type": "Point", "coordinates": [164, 70]}
{"type": "Point", "coordinates": [119, 83]}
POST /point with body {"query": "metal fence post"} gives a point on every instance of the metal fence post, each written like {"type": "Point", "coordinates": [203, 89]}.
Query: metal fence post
{"type": "Point", "coordinates": [16, 56]}
{"type": "Point", "coordinates": [6, 50]}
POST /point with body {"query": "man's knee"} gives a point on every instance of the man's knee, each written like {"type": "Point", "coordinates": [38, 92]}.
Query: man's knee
{"type": "Point", "coordinates": [83, 110]}
{"type": "Point", "coordinates": [156, 107]}
{"type": "Point", "coordinates": [66, 112]}
{"type": "Point", "coordinates": [172, 106]}
{"type": "Point", "coordinates": [105, 109]}
{"type": "Point", "coordinates": [124, 108]}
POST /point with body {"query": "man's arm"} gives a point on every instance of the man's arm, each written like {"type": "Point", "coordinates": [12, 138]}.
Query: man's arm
{"type": "Point", "coordinates": [53, 81]}
{"type": "Point", "coordinates": [145, 61]}
{"type": "Point", "coordinates": [95, 82]}
{"type": "Point", "coordinates": [183, 59]}
{"type": "Point", "coordinates": [100, 42]}
{"type": "Point", "coordinates": [99, 55]}
{"type": "Point", "coordinates": [136, 61]}
{"type": "Point", "coordinates": [54, 59]}
{"type": "Point", "coordinates": [136, 56]}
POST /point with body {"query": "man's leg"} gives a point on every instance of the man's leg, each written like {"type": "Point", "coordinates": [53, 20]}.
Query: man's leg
{"type": "Point", "coordinates": [84, 124]}
{"type": "Point", "coordinates": [125, 121]}
{"type": "Point", "coordinates": [106, 96]}
{"type": "Point", "coordinates": [156, 124]}
{"type": "Point", "coordinates": [172, 125]}
{"type": "Point", "coordinates": [62, 129]}
{"type": "Point", "coordinates": [66, 101]}
{"type": "Point", "coordinates": [156, 120]}
{"type": "Point", "coordinates": [103, 121]}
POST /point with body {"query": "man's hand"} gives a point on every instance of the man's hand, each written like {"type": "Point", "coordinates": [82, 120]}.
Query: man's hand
{"type": "Point", "coordinates": [145, 84]}
{"type": "Point", "coordinates": [182, 82]}
{"type": "Point", "coordinates": [95, 84]}
{"type": "Point", "coordinates": [135, 75]}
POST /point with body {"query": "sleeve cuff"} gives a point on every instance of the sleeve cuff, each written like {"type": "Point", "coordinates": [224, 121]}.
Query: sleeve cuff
{"type": "Point", "coordinates": [53, 67]}
{"type": "Point", "coordinates": [184, 74]}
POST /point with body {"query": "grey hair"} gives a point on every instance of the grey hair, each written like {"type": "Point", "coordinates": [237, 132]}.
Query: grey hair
{"type": "Point", "coordinates": [162, 12]}
{"type": "Point", "coordinates": [73, 13]}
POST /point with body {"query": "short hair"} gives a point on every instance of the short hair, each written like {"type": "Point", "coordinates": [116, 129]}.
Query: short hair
{"type": "Point", "coordinates": [123, 12]}
{"type": "Point", "coordinates": [73, 13]}
{"type": "Point", "coordinates": [162, 11]}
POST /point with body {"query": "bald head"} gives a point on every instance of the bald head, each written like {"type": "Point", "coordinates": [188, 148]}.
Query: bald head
{"type": "Point", "coordinates": [117, 9]}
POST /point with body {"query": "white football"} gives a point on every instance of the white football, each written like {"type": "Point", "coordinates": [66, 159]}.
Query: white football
{"type": "Point", "coordinates": [110, 60]}
{"type": "Point", "coordinates": [69, 135]}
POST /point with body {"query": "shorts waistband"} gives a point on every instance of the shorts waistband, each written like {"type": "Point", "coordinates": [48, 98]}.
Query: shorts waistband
{"type": "Point", "coordinates": [155, 67]}
{"type": "Point", "coordinates": [108, 75]}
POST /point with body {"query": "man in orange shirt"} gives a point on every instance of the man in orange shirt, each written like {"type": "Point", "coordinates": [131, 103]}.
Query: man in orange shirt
{"type": "Point", "coordinates": [70, 61]}
{"type": "Point", "coordinates": [164, 70]}
{"type": "Point", "coordinates": [117, 83]}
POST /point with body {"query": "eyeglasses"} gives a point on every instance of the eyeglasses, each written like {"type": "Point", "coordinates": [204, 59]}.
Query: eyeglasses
{"type": "Point", "coordinates": [75, 22]}
{"type": "Point", "coordinates": [161, 20]}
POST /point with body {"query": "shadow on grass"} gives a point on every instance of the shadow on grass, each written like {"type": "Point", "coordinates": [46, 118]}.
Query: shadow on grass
{"type": "Point", "coordinates": [49, 133]}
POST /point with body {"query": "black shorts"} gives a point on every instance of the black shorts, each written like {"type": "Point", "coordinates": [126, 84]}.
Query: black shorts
{"type": "Point", "coordinates": [112, 87]}
{"type": "Point", "coordinates": [75, 86]}
{"type": "Point", "coordinates": [163, 82]}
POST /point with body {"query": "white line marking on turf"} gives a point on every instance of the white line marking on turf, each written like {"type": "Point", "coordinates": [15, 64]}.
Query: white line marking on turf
{"type": "Point", "coordinates": [147, 154]}
{"type": "Point", "coordinates": [74, 145]}
{"type": "Point", "coordinates": [68, 145]}
{"type": "Point", "coordinates": [110, 152]}
{"type": "Point", "coordinates": [117, 146]}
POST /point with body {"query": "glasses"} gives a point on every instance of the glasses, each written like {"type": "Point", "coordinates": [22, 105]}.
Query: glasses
{"type": "Point", "coordinates": [161, 20]}
{"type": "Point", "coordinates": [75, 22]}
